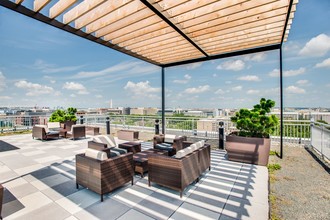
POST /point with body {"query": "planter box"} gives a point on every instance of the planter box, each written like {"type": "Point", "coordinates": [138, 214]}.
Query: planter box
{"type": "Point", "coordinates": [128, 135]}
{"type": "Point", "coordinates": [248, 150]}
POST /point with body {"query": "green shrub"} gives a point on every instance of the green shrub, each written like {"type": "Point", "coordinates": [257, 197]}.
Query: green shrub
{"type": "Point", "coordinates": [256, 122]}
{"type": "Point", "coordinates": [62, 115]}
{"type": "Point", "coordinates": [273, 167]}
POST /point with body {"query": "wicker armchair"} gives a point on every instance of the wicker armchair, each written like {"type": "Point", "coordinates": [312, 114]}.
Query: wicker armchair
{"type": "Point", "coordinates": [173, 173]}
{"type": "Point", "coordinates": [172, 147]}
{"type": "Point", "coordinates": [77, 131]}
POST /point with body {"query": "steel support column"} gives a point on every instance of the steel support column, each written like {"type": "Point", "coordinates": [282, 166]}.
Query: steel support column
{"type": "Point", "coordinates": [281, 105]}
{"type": "Point", "coordinates": [163, 100]}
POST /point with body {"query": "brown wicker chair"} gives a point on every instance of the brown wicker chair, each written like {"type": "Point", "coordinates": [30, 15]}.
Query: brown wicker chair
{"type": "Point", "coordinates": [77, 131]}
{"type": "Point", "coordinates": [178, 173]}
{"type": "Point", "coordinates": [104, 176]}
{"type": "Point", "coordinates": [174, 173]}
{"type": "Point", "coordinates": [41, 132]}
{"type": "Point", "coordinates": [161, 144]}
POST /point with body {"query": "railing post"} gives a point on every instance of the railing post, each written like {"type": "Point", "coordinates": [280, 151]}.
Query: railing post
{"type": "Point", "coordinates": [221, 135]}
{"type": "Point", "coordinates": [322, 140]}
{"type": "Point", "coordinates": [107, 123]}
{"type": "Point", "coordinates": [157, 126]}
{"type": "Point", "coordinates": [81, 119]}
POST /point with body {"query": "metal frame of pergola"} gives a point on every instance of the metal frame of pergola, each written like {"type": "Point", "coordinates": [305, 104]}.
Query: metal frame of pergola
{"type": "Point", "coordinates": [173, 24]}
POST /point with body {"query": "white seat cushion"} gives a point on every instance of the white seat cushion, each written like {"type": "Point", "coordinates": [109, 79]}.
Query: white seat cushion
{"type": "Point", "coordinates": [106, 139]}
{"type": "Point", "coordinates": [53, 125]}
{"type": "Point", "coordinates": [169, 138]}
{"type": "Point", "coordinates": [194, 147]}
{"type": "Point", "coordinates": [95, 154]}
{"type": "Point", "coordinates": [198, 144]}
{"type": "Point", "coordinates": [180, 154]}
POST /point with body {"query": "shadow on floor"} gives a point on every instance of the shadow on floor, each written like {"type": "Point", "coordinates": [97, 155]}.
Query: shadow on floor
{"type": "Point", "coordinates": [4, 146]}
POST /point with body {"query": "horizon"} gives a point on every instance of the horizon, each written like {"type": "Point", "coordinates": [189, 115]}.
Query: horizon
{"type": "Point", "coordinates": [41, 65]}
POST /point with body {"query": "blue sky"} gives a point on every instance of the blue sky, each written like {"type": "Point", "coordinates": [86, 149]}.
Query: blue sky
{"type": "Point", "coordinates": [44, 66]}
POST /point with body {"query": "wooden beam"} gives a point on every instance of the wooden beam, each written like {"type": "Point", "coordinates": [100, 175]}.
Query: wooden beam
{"type": "Point", "coordinates": [99, 12]}
{"type": "Point", "coordinates": [249, 32]}
{"type": "Point", "coordinates": [253, 35]}
{"type": "Point", "coordinates": [80, 10]}
{"type": "Point", "coordinates": [164, 46]}
{"type": "Point", "coordinates": [154, 40]}
{"type": "Point", "coordinates": [244, 45]}
{"type": "Point", "coordinates": [249, 16]}
{"type": "Point", "coordinates": [182, 47]}
{"type": "Point", "coordinates": [128, 14]}
{"type": "Point", "coordinates": [168, 53]}
{"type": "Point", "coordinates": [60, 7]}
{"type": "Point", "coordinates": [141, 32]}
{"type": "Point", "coordinates": [142, 37]}
{"type": "Point", "coordinates": [144, 24]}
{"type": "Point", "coordinates": [19, 1]}
{"type": "Point", "coordinates": [119, 26]}
{"type": "Point", "coordinates": [38, 5]}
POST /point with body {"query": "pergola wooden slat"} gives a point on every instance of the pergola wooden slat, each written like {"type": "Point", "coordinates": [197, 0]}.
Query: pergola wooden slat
{"type": "Point", "coordinates": [170, 33]}
{"type": "Point", "coordinates": [151, 29]}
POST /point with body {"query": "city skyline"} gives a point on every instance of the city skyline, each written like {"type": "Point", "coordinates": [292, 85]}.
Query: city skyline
{"type": "Point", "coordinates": [40, 65]}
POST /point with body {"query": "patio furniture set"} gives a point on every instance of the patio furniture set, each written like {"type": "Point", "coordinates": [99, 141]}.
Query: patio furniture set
{"type": "Point", "coordinates": [107, 165]}
{"type": "Point", "coordinates": [55, 130]}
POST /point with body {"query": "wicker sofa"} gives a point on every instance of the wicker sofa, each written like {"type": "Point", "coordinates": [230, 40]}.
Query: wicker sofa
{"type": "Point", "coordinates": [168, 142]}
{"type": "Point", "coordinates": [42, 132]}
{"type": "Point", "coordinates": [1, 199]}
{"type": "Point", "coordinates": [181, 170]}
{"type": "Point", "coordinates": [104, 173]}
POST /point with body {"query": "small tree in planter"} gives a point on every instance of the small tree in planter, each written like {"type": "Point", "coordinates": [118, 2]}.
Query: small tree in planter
{"type": "Point", "coordinates": [67, 118]}
{"type": "Point", "coordinates": [251, 142]}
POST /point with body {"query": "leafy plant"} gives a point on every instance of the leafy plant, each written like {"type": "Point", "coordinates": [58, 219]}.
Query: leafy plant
{"type": "Point", "coordinates": [62, 115]}
{"type": "Point", "coordinates": [256, 122]}
{"type": "Point", "coordinates": [273, 167]}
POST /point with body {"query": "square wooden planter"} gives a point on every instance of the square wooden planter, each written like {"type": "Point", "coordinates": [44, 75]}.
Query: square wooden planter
{"type": "Point", "coordinates": [248, 150]}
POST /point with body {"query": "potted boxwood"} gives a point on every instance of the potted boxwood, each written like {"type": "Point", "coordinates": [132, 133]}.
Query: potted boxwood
{"type": "Point", "coordinates": [251, 143]}
{"type": "Point", "coordinates": [66, 118]}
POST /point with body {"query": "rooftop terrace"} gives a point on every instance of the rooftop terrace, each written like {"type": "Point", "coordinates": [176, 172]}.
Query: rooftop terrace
{"type": "Point", "coordinates": [39, 177]}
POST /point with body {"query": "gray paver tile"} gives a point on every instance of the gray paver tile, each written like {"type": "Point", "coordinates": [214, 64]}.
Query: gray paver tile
{"type": "Point", "coordinates": [158, 206]}
{"type": "Point", "coordinates": [108, 209]}
{"type": "Point", "coordinates": [188, 211]}
{"type": "Point", "coordinates": [133, 214]}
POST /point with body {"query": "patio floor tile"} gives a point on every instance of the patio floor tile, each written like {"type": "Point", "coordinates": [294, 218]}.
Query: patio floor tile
{"type": "Point", "coordinates": [188, 211]}
{"type": "Point", "coordinates": [133, 214]}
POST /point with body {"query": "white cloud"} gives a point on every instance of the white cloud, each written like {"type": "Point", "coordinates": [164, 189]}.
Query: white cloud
{"type": "Point", "coordinates": [295, 90]}
{"type": "Point", "coordinates": [287, 73]}
{"type": "Point", "coordinates": [2, 81]}
{"type": "Point", "coordinates": [186, 79]}
{"type": "Point", "coordinates": [256, 57]}
{"type": "Point", "coordinates": [120, 71]}
{"type": "Point", "coordinates": [302, 82]}
{"type": "Point", "coordinates": [51, 68]}
{"type": "Point", "coordinates": [193, 65]}
{"type": "Point", "coordinates": [5, 97]}
{"type": "Point", "coordinates": [34, 89]}
{"type": "Point", "coordinates": [214, 75]}
{"type": "Point", "coordinates": [228, 82]}
{"type": "Point", "coordinates": [237, 88]}
{"type": "Point", "coordinates": [52, 81]}
{"type": "Point", "coordinates": [317, 46]}
{"type": "Point", "coordinates": [73, 95]}
{"type": "Point", "coordinates": [142, 89]}
{"type": "Point", "coordinates": [249, 78]}
{"type": "Point", "coordinates": [79, 88]}
{"type": "Point", "coordinates": [98, 96]}
{"type": "Point", "coordinates": [219, 92]}
{"type": "Point", "coordinates": [199, 89]}
{"type": "Point", "coordinates": [324, 64]}
{"type": "Point", "coordinates": [251, 92]}
{"type": "Point", "coordinates": [235, 65]}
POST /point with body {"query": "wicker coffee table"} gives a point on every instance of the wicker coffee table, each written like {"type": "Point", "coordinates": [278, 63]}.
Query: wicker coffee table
{"type": "Point", "coordinates": [134, 147]}
{"type": "Point", "coordinates": [141, 160]}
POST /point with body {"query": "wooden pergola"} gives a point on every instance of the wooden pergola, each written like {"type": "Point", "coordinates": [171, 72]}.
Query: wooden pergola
{"type": "Point", "coordinates": [171, 32]}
